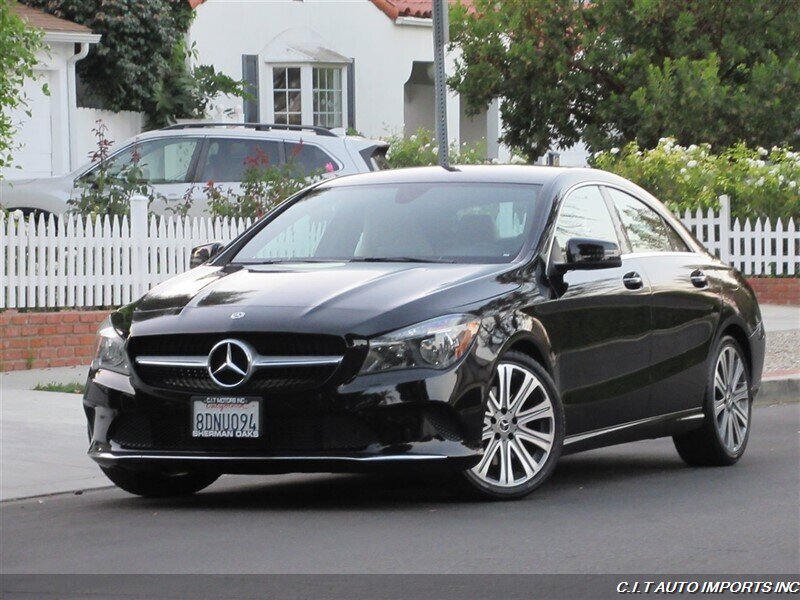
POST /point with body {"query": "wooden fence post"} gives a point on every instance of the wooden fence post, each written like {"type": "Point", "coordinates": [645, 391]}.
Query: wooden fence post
{"type": "Point", "coordinates": [725, 228]}
{"type": "Point", "coordinates": [139, 246]}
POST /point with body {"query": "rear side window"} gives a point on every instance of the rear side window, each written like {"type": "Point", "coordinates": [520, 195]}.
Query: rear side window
{"type": "Point", "coordinates": [227, 159]}
{"type": "Point", "coordinates": [310, 159]}
{"type": "Point", "coordinates": [644, 227]}
{"type": "Point", "coordinates": [584, 214]}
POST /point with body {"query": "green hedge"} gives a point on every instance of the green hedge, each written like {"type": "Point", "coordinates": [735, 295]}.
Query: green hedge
{"type": "Point", "coordinates": [760, 182]}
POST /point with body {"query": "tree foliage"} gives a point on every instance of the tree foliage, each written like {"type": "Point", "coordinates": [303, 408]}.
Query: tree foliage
{"type": "Point", "coordinates": [616, 71]}
{"type": "Point", "coordinates": [141, 61]}
{"type": "Point", "coordinates": [18, 46]}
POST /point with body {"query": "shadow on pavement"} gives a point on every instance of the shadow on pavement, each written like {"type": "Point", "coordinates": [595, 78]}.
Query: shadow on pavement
{"type": "Point", "coordinates": [371, 491]}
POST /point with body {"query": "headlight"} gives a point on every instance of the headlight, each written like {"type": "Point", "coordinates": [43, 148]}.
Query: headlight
{"type": "Point", "coordinates": [109, 349]}
{"type": "Point", "coordinates": [434, 344]}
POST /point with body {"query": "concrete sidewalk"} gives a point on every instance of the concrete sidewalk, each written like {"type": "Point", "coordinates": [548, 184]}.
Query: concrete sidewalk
{"type": "Point", "coordinates": [29, 467]}
{"type": "Point", "coordinates": [43, 445]}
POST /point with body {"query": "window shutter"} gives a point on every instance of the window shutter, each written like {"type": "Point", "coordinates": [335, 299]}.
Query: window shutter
{"type": "Point", "coordinates": [250, 77]}
{"type": "Point", "coordinates": [351, 93]}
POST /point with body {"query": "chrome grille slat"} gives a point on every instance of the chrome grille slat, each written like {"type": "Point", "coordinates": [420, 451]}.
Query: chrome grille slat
{"type": "Point", "coordinates": [280, 362]}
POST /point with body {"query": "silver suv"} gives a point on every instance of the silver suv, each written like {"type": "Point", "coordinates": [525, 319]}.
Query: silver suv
{"type": "Point", "coordinates": [178, 161]}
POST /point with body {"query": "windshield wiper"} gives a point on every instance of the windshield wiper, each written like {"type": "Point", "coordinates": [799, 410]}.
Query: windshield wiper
{"type": "Point", "coordinates": [283, 261]}
{"type": "Point", "coordinates": [406, 259]}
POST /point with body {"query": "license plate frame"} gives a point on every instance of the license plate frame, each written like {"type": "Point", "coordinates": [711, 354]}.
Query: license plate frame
{"type": "Point", "coordinates": [226, 417]}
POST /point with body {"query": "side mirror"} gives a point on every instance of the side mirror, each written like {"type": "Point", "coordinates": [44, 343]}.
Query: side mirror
{"type": "Point", "coordinates": [204, 253]}
{"type": "Point", "coordinates": [585, 254]}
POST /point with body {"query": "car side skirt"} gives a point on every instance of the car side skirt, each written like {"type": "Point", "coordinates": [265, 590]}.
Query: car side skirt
{"type": "Point", "coordinates": [649, 428]}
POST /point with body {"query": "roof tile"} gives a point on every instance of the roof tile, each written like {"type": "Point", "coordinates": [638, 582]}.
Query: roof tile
{"type": "Point", "coordinates": [408, 8]}
{"type": "Point", "coordinates": [47, 22]}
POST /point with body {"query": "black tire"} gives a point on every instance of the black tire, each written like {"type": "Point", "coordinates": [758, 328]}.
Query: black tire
{"type": "Point", "coordinates": [480, 487]}
{"type": "Point", "coordinates": [706, 447]}
{"type": "Point", "coordinates": [153, 484]}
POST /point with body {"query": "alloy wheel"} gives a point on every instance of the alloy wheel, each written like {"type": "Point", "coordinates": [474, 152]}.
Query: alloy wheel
{"type": "Point", "coordinates": [731, 399]}
{"type": "Point", "coordinates": [518, 428]}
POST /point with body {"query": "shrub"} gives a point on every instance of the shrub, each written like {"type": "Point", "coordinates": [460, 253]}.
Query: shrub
{"type": "Point", "coordinates": [18, 46]}
{"type": "Point", "coordinates": [107, 191]}
{"type": "Point", "coordinates": [759, 182]}
{"type": "Point", "coordinates": [421, 150]}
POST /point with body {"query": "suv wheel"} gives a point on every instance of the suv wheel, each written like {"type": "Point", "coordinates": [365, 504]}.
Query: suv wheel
{"type": "Point", "coordinates": [523, 430]}
{"type": "Point", "coordinates": [722, 439]}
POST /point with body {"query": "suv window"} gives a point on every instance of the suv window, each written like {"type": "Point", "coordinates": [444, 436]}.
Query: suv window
{"type": "Point", "coordinates": [644, 227]}
{"type": "Point", "coordinates": [161, 161]}
{"type": "Point", "coordinates": [227, 158]}
{"type": "Point", "coordinates": [309, 159]}
{"type": "Point", "coordinates": [584, 214]}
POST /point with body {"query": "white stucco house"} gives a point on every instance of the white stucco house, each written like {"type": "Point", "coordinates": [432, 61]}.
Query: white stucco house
{"type": "Point", "coordinates": [360, 64]}
{"type": "Point", "coordinates": [47, 138]}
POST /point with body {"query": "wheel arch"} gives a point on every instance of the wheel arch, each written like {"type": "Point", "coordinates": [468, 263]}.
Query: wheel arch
{"type": "Point", "coordinates": [737, 332]}
{"type": "Point", "coordinates": [531, 345]}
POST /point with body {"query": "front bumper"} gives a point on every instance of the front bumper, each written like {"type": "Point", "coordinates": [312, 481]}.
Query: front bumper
{"type": "Point", "coordinates": [423, 419]}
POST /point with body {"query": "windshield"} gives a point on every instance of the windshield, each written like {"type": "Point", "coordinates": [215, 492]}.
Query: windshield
{"type": "Point", "coordinates": [413, 222]}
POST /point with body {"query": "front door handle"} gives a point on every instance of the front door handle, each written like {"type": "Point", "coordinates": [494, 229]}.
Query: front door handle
{"type": "Point", "coordinates": [698, 279]}
{"type": "Point", "coordinates": [632, 280]}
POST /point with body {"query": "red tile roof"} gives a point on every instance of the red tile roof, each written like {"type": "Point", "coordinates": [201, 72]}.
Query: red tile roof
{"type": "Point", "coordinates": [407, 8]}
{"type": "Point", "coordinates": [47, 22]}
{"type": "Point", "coordinates": [393, 8]}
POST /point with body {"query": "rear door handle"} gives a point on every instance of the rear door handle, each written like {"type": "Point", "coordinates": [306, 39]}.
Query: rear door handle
{"type": "Point", "coordinates": [698, 279]}
{"type": "Point", "coordinates": [632, 280]}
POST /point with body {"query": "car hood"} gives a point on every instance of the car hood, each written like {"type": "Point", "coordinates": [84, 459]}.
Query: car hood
{"type": "Point", "coordinates": [359, 299]}
{"type": "Point", "coordinates": [28, 192]}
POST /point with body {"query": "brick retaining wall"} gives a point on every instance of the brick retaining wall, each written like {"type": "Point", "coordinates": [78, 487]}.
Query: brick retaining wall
{"type": "Point", "coordinates": [37, 340]}
{"type": "Point", "coordinates": [776, 290]}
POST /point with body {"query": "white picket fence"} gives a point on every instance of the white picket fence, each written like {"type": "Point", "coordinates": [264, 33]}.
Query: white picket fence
{"type": "Point", "coordinates": [758, 248]}
{"type": "Point", "coordinates": [83, 263]}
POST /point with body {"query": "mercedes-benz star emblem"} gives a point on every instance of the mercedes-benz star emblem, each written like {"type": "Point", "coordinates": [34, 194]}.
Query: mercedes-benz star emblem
{"type": "Point", "coordinates": [237, 315]}
{"type": "Point", "coordinates": [229, 363]}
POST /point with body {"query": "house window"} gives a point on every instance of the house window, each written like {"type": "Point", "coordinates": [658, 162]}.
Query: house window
{"type": "Point", "coordinates": [286, 94]}
{"type": "Point", "coordinates": [327, 90]}
{"type": "Point", "coordinates": [311, 94]}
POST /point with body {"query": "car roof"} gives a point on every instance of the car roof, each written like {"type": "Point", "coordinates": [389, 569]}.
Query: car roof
{"type": "Point", "coordinates": [525, 174]}
{"type": "Point", "coordinates": [251, 133]}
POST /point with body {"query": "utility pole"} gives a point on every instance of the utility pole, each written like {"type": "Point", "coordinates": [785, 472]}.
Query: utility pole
{"type": "Point", "coordinates": [440, 39]}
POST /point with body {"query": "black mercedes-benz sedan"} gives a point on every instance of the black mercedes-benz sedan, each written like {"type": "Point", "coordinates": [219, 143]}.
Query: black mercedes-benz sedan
{"type": "Point", "coordinates": [481, 320]}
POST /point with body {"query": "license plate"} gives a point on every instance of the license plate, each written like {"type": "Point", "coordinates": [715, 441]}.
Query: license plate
{"type": "Point", "coordinates": [226, 417]}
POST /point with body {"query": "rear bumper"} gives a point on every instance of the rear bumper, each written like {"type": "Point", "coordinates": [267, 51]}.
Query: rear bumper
{"type": "Point", "coordinates": [758, 342]}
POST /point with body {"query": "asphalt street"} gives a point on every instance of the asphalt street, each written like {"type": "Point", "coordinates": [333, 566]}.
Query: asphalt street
{"type": "Point", "coordinates": [634, 508]}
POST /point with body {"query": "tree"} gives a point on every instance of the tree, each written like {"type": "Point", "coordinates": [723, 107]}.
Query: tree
{"type": "Point", "coordinates": [141, 62]}
{"type": "Point", "coordinates": [18, 46]}
{"type": "Point", "coordinates": [615, 71]}
{"type": "Point", "coordinates": [137, 44]}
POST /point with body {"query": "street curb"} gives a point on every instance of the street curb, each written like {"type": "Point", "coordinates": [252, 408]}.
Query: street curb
{"type": "Point", "coordinates": [779, 389]}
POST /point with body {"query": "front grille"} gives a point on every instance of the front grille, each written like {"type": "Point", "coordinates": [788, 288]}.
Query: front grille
{"type": "Point", "coordinates": [170, 431]}
{"type": "Point", "coordinates": [270, 379]}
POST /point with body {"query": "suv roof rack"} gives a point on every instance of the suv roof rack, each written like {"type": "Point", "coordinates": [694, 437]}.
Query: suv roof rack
{"type": "Point", "coordinates": [256, 126]}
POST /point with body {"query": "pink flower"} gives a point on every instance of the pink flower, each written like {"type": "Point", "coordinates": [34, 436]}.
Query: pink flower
{"type": "Point", "coordinates": [329, 167]}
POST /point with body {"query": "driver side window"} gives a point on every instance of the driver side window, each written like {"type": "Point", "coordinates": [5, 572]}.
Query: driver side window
{"type": "Point", "coordinates": [584, 214]}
